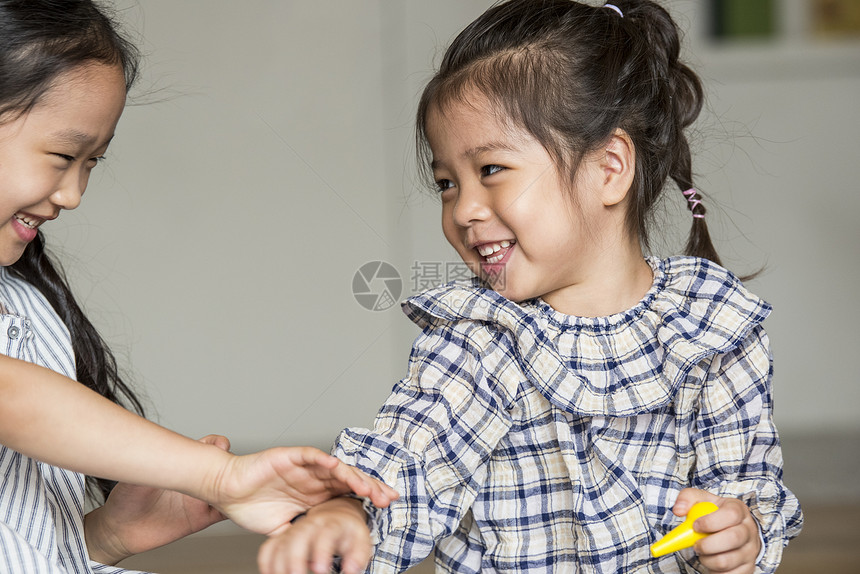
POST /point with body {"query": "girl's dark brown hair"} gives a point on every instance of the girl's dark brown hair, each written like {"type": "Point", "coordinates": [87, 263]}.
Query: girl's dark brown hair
{"type": "Point", "coordinates": [570, 74]}
{"type": "Point", "coordinates": [39, 41]}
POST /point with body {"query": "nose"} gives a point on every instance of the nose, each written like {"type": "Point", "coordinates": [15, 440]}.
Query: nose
{"type": "Point", "coordinates": [68, 195]}
{"type": "Point", "coordinates": [472, 205]}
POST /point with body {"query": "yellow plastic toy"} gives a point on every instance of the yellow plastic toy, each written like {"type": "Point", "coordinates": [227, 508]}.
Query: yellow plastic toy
{"type": "Point", "coordinates": [683, 535]}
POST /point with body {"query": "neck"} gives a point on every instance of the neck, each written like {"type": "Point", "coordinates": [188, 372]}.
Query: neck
{"type": "Point", "coordinates": [615, 282]}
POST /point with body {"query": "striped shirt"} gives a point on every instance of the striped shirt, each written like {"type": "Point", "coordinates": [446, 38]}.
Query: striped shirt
{"type": "Point", "coordinates": [526, 440]}
{"type": "Point", "coordinates": [41, 506]}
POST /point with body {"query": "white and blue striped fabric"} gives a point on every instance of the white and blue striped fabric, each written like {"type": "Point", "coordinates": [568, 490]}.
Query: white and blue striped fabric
{"type": "Point", "coordinates": [41, 506]}
{"type": "Point", "coordinates": [526, 440]}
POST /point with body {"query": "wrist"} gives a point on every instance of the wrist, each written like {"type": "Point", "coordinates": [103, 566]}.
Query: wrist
{"type": "Point", "coordinates": [102, 539]}
{"type": "Point", "coordinates": [215, 480]}
{"type": "Point", "coordinates": [345, 505]}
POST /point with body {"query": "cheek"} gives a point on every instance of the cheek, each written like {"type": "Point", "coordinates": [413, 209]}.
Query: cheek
{"type": "Point", "coordinates": [26, 185]}
{"type": "Point", "coordinates": [454, 235]}
{"type": "Point", "coordinates": [449, 229]}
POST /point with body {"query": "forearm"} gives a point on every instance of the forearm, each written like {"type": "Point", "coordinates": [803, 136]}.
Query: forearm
{"type": "Point", "coordinates": [51, 418]}
{"type": "Point", "coordinates": [737, 446]}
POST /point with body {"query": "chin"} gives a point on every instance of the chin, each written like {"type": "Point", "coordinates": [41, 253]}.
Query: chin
{"type": "Point", "coordinates": [511, 292]}
{"type": "Point", "coordinates": [7, 259]}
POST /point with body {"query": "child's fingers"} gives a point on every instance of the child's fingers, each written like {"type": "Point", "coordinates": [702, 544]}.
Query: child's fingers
{"type": "Point", "coordinates": [731, 513]}
{"type": "Point", "coordinates": [730, 550]}
{"type": "Point", "coordinates": [728, 540]}
{"type": "Point", "coordinates": [380, 494]}
{"type": "Point", "coordinates": [355, 554]}
{"type": "Point", "coordinates": [726, 563]}
{"type": "Point", "coordinates": [344, 478]}
{"type": "Point", "coordinates": [363, 485]}
{"type": "Point", "coordinates": [732, 562]}
{"type": "Point", "coordinates": [310, 456]}
{"type": "Point", "coordinates": [734, 541]}
{"type": "Point", "coordinates": [284, 554]}
{"type": "Point", "coordinates": [322, 552]}
{"type": "Point", "coordinates": [690, 496]}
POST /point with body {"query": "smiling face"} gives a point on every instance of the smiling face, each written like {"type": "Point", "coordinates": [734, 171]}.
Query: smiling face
{"type": "Point", "coordinates": [528, 231]}
{"type": "Point", "coordinates": [46, 154]}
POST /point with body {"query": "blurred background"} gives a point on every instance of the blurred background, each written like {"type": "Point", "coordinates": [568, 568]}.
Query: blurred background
{"type": "Point", "coordinates": [259, 217]}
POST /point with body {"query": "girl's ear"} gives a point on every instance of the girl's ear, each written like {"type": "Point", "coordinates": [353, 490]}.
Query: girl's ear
{"type": "Point", "coordinates": [618, 166]}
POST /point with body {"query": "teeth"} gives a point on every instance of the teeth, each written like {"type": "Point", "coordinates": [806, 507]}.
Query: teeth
{"type": "Point", "coordinates": [490, 248]}
{"type": "Point", "coordinates": [32, 224]}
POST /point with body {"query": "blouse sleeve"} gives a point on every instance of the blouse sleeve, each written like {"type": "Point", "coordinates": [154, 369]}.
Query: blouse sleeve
{"type": "Point", "coordinates": [431, 440]}
{"type": "Point", "coordinates": [737, 446]}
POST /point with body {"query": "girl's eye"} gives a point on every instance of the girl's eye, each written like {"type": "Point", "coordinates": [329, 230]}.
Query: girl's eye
{"type": "Point", "coordinates": [443, 184]}
{"type": "Point", "coordinates": [490, 170]}
{"type": "Point", "coordinates": [91, 163]}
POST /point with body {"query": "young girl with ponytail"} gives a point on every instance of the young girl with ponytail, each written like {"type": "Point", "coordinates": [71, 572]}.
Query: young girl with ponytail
{"type": "Point", "coordinates": [566, 406]}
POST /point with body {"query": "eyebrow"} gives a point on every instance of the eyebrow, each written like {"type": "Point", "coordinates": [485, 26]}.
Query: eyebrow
{"type": "Point", "coordinates": [76, 137]}
{"type": "Point", "coordinates": [478, 150]}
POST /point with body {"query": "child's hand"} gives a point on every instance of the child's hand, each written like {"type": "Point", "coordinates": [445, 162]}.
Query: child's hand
{"type": "Point", "coordinates": [263, 491]}
{"type": "Point", "coordinates": [135, 518]}
{"type": "Point", "coordinates": [337, 527]}
{"type": "Point", "coordinates": [734, 543]}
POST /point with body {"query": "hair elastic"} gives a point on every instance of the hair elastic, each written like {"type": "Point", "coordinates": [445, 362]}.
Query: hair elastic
{"type": "Point", "coordinates": [690, 194]}
{"type": "Point", "coordinates": [614, 7]}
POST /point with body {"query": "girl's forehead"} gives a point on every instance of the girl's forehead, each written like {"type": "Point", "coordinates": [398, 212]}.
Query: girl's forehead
{"type": "Point", "coordinates": [84, 81]}
{"type": "Point", "coordinates": [472, 124]}
{"type": "Point", "coordinates": [82, 106]}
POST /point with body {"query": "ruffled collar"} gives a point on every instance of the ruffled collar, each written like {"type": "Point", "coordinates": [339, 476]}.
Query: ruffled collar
{"type": "Point", "coordinates": [694, 309]}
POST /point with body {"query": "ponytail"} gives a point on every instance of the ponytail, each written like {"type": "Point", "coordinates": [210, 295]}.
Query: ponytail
{"type": "Point", "coordinates": [699, 242]}
{"type": "Point", "coordinates": [676, 100]}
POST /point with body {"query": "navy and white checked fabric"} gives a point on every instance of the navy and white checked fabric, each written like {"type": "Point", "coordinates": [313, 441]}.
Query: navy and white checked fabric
{"type": "Point", "coordinates": [41, 506]}
{"type": "Point", "coordinates": [525, 440]}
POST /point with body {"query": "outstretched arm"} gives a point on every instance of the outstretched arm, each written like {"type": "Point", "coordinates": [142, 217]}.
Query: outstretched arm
{"type": "Point", "coordinates": [51, 418]}
{"type": "Point", "coordinates": [137, 519]}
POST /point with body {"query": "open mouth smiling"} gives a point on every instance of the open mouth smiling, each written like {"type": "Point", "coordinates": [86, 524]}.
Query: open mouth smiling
{"type": "Point", "coordinates": [495, 252]}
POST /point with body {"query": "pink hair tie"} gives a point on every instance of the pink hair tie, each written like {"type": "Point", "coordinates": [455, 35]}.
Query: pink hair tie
{"type": "Point", "coordinates": [690, 194]}
{"type": "Point", "coordinates": [614, 7]}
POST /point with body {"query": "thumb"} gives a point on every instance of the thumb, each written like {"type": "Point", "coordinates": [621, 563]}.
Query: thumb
{"type": "Point", "coordinates": [221, 442]}
{"type": "Point", "coordinates": [690, 496]}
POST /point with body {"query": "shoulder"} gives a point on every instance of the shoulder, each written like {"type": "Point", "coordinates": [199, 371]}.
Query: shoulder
{"type": "Point", "coordinates": [455, 301]}
{"type": "Point", "coordinates": [706, 305]}
{"type": "Point", "coordinates": [22, 298]}
{"type": "Point", "coordinates": [469, 332]}
{"type": "Point", "coordinates": [46, 339]}
{"type": "Point", "coordinates": [470, 315]}
{"type": "Point", "coordinates": [702, 281]}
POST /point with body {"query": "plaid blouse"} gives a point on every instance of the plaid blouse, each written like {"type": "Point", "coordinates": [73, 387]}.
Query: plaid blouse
{"type": "Point", "coordinates": [526, 440]}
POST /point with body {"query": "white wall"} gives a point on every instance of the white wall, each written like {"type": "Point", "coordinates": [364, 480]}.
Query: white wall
{"type": "Point", "coordinates": [218, 247]}
{"type": "Point", "coordinates": [220, 244]}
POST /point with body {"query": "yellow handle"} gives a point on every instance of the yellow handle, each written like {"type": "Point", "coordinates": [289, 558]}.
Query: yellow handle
{"type": "Point", "coordinates": [683, 535]}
